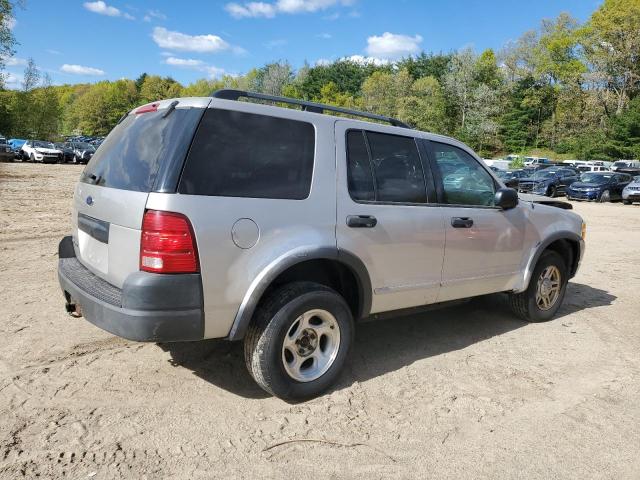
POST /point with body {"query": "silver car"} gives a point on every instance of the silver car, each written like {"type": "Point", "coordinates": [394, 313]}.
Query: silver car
{"type": "Point", "coordinates": [631, 193]}
{"type": "Point", "coordinates": [204, 218]}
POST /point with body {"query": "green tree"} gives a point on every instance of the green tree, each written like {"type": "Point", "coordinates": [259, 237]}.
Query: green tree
{"type": "Point", "coordinates": [155, 88]}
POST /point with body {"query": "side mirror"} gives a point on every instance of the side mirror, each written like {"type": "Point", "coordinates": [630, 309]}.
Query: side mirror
{"type": "Point", "coordinates": [506, 198]}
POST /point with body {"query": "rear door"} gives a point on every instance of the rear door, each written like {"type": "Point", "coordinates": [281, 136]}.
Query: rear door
{"type": "Point", "coordinates": [143, 153]}
{"type": "Point", "coordinates": [386, 214]}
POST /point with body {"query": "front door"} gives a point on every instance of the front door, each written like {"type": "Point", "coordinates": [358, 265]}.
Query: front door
{"type": "Point", "coordinates": [386, 214]}
{"type": "Point", "coordinates": [483, 245]}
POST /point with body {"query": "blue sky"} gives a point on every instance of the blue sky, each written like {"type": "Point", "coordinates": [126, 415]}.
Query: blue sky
{"type": "Point", "coordinates": [86, 41]}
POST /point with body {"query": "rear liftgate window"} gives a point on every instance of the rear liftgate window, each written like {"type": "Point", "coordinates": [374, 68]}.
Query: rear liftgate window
{"type": "Point", "coordinates": [139, 147]}
{"type": "Point", "coordinates": [237, 154]}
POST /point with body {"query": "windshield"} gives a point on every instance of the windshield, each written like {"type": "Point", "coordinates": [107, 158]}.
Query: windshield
{"type": "Point", "coordinates": [505, 175]}
{"type": "Point", "coordinates": [38, 144]}
{"type": "Point", "coordinates": [543, 174]}
{"type": "Point", "coordinates": [620, 164]}
{"type": "Point", "coordinates": [84, 146]}
{"type": "Point", "coordinates": [598, 178]}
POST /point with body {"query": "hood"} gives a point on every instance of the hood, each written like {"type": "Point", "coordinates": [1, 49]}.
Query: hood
{"type": "Point", "coordinates": [588, 185]}
{"type": "Point", "coordinates": [542, 200]}
{"type": "Point", "coordinates": [46, 150]}
{"type": "Point", "coordinates": [535, 180]}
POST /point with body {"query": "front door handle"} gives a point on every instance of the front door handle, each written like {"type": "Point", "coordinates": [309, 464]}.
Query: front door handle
{"type": "Point", "coordinates": [461, 222]}
{"type": "Point", "coordinates": [361, 221]}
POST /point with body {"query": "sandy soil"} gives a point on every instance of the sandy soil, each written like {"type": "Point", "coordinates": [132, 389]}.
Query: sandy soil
{"type": "Point", "coordinates": [467, 392]}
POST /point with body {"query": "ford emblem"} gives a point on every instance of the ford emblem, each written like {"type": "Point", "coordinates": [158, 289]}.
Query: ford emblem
{"type": "Point", "coordinates": [89, 200]}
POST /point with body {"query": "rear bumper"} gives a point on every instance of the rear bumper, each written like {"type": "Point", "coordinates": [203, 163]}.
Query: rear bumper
{"type": "Point", "coordinates": [149, 307]}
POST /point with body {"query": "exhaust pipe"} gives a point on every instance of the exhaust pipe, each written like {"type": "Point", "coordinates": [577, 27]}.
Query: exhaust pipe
{"type": "Point", "coordinates": [73, 309]}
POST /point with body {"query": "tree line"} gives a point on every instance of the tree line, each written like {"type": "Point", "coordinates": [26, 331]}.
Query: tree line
{"type": "Point", "coordinates": [567, 88]}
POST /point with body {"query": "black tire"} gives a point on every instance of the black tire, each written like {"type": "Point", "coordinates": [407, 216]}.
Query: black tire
{"type": "Point", "coordinates": [32, 159]}
{"type": "Point", "coordinates": [524, 304]}
{"type": "Point", "coordinates": [627, 202]}
{"type": "Point", "coordinates": [275, 316]}
{"type": "Point", "coordinates": [552, 191]}
{"type": "Point", "coordinates": [605, 197]}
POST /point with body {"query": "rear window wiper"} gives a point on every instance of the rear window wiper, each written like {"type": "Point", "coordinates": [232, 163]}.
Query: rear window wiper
{"type": "Point", "coordinates": [171, 108]}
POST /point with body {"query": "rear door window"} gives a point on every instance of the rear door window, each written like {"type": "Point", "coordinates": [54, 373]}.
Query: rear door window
{"type": "Point", "coordinates": [384, 168]}
{"type": "Point", "coordinates": [238, 154]}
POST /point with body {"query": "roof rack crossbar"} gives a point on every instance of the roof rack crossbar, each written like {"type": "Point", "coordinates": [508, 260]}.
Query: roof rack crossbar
{"type": "Point", "coordinates": [230, 94]}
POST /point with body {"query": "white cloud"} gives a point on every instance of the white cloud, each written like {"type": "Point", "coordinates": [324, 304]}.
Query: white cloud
{"type": "Point", "coordinates": [183, 62]}
{"type": "Point", "coordinates": [362, 60]}
{"type": "Point", "coordinates": [10, 22]}
{"type": "Point", "coordinates": [101, 8]}
{"type": "Point", "coordinates": [324, 36]}
{"type": "Point", "coordinates": [154, 14]}
{"type": "Point", "coordinates": [270, 10]}
{"type": "Point", "coordinates": [53, 52]}
{"type": "Point", "coordinates": [191, 43]}
{"type": "Point", "coordinates": [12, 81]}
{"type": "Point", "coordinates": [323, 62]}
{"type": "Point", "coordinates": [81, 70]}
{"type": "Point", "coordinates": [14, 61]}
{"type": "Point", "coordinates": [393, 46]}
{"type": "Point", "coordinates": [199, 65]}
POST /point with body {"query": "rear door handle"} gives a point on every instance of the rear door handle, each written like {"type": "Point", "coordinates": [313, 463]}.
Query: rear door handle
{"type": "Point", "coordinates": [361, 221]}
{"type": "Point", "coordinates": [461, 222]}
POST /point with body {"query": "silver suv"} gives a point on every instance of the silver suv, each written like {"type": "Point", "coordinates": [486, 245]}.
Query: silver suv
{"type": "Point", "coordinates": [204, 218]}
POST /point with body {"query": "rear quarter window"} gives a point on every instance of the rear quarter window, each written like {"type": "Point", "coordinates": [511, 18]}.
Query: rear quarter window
{"type": "Point", "coordinates": [238, 154]}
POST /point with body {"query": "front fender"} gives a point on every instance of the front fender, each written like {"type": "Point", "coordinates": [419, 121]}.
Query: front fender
{"type": "Point", "coordinates": [536, 253]}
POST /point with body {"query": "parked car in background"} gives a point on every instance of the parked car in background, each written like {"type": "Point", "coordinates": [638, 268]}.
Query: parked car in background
{"type": "Point", "coordinates": [592, 168]}
{"type": "Point", "coordinates": [16, 145]}
{"type": "Point", "coordinates": [40, 151]}
{"type": "Point", "coordinates": [599, 186]}
{"type": "Point", "coordinates": [535, 161]}
{"type": "Point", "coordinates": [67, 152]}
{"type": "Point", "coordinates": [625, 164]}
{"type": "Point", "coordinates": [550, 181]}
{"type": "Point", "coordinates": [511, 178]}
{"type": "Point", "coordinates": [305, 224]}
{"type": "Point", "coordinates": [631, 193]}
{"type": "Point", "coordinates": [633, 171]}
{"type": "Point", "coordinates": [497, 164]}
{"type": "Point", "coordinates": [6, 153]}
{"type": "Point", "coordinates": [82, 151]}
{"type": "Point", "coordinates": [574, 163]}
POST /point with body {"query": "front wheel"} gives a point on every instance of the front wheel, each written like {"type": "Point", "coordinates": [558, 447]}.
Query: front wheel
{"type": "Point", "coordinates": [542, 299]}
{"type": "Point", "coordinates": [551, 192]}
{"type": "Point", "coordinates": [298, 341]}
{"type": "Point", "coordinates": [626, 202]}
{"type": "Point", "coordinates": [605, 196]}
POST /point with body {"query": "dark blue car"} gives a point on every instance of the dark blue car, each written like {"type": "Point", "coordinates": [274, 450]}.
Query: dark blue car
{"type": "Point", "coordinates": [599, 186]}
{"type": "Point", "coordinates": [551, 181]}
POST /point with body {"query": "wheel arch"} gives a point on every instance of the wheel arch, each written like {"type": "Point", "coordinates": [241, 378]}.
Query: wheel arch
{"type": "Point", "coordinates": [568, 244]}
{"type": "Point", "coordinates": [339, 269]}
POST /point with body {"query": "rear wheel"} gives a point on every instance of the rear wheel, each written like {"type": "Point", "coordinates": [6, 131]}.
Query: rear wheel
{"type": "Point", "coordinates": [605, 196]}
{"type": "Point", "coordinates": [551, 192]}
{"type": "Point", "coordinates": [542, 299]}
{"type": "Point", "coordinates": [298, 341]}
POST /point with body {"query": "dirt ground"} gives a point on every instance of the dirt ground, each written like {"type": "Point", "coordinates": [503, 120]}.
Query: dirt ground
{"type": "Point", "coordinates": [466, 392]}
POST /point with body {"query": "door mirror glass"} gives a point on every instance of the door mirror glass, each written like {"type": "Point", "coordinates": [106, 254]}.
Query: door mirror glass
{"type": "Point", "coordinates": [506, 198]}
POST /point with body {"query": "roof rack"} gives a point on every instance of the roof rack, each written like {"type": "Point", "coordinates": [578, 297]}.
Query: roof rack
{"type": "Point", "coordinates": [230, 94]}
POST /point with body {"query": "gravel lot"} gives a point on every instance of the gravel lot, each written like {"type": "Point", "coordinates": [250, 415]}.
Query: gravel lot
{"type": "Point", "coordinates": [466, 392]}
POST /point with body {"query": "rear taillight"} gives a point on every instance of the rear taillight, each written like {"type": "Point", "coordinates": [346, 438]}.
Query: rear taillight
{"type": "Point", "coordinates": [168, 244]}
